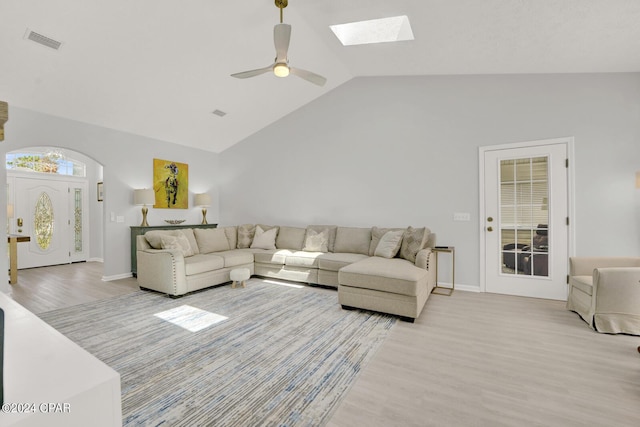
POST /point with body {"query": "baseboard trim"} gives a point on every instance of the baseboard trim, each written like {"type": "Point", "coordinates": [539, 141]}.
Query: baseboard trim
{"type": "Point", "coordinates": [116, 277]}
{"type": "Point", "coordinates": [461, 287]}
{"type": "Point", "coordinates": [95, 260]}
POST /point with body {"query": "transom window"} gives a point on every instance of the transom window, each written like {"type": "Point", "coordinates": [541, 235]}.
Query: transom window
{"type": "Point", "coordinates": [46, 161]}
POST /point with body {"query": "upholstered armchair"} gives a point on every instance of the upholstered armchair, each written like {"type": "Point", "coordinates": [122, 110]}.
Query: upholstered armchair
{"type": "Point", "coordinates": [605, 292]}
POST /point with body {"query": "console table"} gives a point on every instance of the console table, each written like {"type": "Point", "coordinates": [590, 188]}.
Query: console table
{"type": "Point", "coordinates": [13, 240]}
{"type": "Point", "coordinates": [140, 230]}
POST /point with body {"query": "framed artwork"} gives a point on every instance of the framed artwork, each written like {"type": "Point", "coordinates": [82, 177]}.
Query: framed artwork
{"type": "Point", "coordinates": [171, 184]}
{"type": "Point", "coordinates": [100, 191]}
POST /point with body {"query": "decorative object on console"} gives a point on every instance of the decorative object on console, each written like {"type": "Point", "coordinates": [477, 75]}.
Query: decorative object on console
{"type": "Point", "coordinates": [170, 184]}
{"type": "Point", "coordinates": [4, 116]}
{"type": "Point", "coordinates": [203, 200]}
{"type": "Point", "coordinates": [174, 221]}
{"type": "Point", "coordinates": [144, 197]}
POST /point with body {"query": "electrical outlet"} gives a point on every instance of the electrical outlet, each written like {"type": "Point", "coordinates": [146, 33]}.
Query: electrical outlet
{"type": "Point", "coordinates": [461, 216]}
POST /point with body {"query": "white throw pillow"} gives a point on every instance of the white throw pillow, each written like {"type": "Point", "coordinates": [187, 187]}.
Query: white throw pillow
{"type": "Point", "coordinates": [264, 239]}
{"type": "Point", "coordinates": [389, 244]}
{"type": "Point", "coordinates": [316, 241]}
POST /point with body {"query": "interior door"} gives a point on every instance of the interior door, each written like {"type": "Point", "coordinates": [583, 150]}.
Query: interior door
{"type": "Point", "coordinates": [42, 213]}
{"type": "Point", "coordinates": [526, 221]}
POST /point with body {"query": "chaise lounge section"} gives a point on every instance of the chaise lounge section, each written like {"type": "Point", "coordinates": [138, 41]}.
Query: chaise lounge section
{"type": "Point", "coordinates": [379, 269]}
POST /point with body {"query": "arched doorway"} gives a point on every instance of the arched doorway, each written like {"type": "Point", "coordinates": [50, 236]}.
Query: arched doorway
{"type": "Point", "coordinates": [52, 198]}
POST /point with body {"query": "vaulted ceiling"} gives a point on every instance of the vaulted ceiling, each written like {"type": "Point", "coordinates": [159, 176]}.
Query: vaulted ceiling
{"type": "Point", "coordinates": [159, 68]}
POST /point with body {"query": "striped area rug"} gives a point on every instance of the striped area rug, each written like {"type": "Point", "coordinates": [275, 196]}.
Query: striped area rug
{"type": "Point", "coordinates": [284, 357]}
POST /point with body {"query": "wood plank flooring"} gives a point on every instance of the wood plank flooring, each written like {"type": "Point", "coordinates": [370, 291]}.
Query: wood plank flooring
{"type": "Point", "coordinates": [469, 360]}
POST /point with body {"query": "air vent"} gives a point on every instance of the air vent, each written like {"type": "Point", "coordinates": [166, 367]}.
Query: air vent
{"type": "Point", "coordinates": [219, 113]}
{"type": "Point", "coordinates": [43, 40]}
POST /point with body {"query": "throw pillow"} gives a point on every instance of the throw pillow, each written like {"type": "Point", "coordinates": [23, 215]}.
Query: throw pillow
{"type": "Point", "coordinates": [332, 233]}
{"type": "Point", "coordinates": [170, 242]}
{"type": "Point", "coordinates": [184, 244]}
{"type": "Point", "coordinates": [353, 240]}
{"type": "Point", "coordinates": [389, 244]}
{"type": "Point", "coordinates": [245, 235]}
{"type": "Point", "coordinates": [154, 237]}
{"type": "Point", "coordinates": [413, 241]}
{"type": "Point", "coordinates": [316, 241]}
{"type": "Point", "coordinates": [188, 232]}
{"type": "Point", "coordinates": [211, 240]}
{"type": "Point", "coordinates": [264, 239]}
{"type": "Point", "coordinates": [376, 235]}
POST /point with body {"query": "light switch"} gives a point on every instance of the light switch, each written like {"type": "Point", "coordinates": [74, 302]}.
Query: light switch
{"type": "Point", "coordinates": [461, 216]}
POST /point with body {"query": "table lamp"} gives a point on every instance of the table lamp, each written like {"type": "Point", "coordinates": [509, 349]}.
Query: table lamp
{"type": "Point", "coordinates": [203, 200]}
{"type": "Point", "coordinates": [144, 197]}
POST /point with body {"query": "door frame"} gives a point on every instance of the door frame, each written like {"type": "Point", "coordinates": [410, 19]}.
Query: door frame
{"type": "Point", "coordinates": [569, 143]}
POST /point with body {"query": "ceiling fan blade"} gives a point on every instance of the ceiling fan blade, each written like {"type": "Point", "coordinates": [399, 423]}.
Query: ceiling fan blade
{"type": "Point", "coordinates": [308, 76]}
{"type": "Point", "coordinates": [252, 73]}
{"type": "Point", "coordinates": [281, 39]}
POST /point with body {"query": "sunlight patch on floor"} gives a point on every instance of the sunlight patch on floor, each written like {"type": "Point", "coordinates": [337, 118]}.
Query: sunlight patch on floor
{"type": "Point", "coordinates": [190, 318]}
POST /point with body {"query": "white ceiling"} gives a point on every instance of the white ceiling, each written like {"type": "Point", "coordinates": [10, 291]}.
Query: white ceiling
{"type": "Point", "coordinates": [159, 68]}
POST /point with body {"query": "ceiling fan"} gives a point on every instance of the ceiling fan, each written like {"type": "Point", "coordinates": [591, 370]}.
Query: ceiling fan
{"type": "Point", "coordinates": [281, 68]}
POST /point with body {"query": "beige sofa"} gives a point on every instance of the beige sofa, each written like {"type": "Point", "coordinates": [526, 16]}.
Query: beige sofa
{"type": "Point", "coordinates": [605, 292]}
{"type": "Point", "coordinates": [379, 269]}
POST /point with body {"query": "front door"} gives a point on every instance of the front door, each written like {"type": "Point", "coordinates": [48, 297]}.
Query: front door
{"type": "Point", "coordinates": [526, 220]}
{"type": "Point", "coordinates": [51, 213]}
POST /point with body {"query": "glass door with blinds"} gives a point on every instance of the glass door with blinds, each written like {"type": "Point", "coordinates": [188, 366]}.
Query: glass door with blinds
{"type": "Point", "coordinates": [525, 233]}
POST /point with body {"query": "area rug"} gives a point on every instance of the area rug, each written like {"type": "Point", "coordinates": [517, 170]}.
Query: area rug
{"type": "Point", "coordinates": [283, 356]}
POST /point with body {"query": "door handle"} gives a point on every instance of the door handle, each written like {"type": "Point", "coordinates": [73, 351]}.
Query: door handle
{"type": "Point", "coordinates": [489, 229]}
{"type": "Point", "coordinates": [19, 222]}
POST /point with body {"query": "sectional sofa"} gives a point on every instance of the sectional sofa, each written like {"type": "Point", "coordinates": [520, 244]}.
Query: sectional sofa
{"type": "Point", "coordinates": [389, 270]}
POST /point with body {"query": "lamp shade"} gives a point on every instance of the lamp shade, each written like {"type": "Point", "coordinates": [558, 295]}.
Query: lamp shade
{"type": "Point", "coordinates": [144, 196]}
{"type": "Point", "coordinates": [202, 200]}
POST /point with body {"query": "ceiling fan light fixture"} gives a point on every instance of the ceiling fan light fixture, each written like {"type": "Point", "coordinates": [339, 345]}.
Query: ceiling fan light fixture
{"type": "Point", "coordinates": [281, 70]}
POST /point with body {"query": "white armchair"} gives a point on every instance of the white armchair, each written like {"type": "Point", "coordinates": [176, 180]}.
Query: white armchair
{"type": "Point", "coordinates": [605, 292]}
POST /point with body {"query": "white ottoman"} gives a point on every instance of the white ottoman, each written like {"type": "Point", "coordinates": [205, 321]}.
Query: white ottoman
{"type": "Point", "coordinates": [240, 275]}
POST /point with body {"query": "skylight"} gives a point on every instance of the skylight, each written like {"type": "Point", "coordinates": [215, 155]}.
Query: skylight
{"type": "Point", "coordinates": [383, 30]}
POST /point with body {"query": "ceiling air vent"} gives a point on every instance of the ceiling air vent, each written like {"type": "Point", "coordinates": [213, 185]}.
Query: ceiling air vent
{"type": "Point", "coordinates": [219, 113]}
{"type": "Point", "coordinates": [43, 40]}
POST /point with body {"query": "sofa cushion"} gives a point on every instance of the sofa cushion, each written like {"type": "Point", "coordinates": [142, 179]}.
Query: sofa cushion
{"type": "Point", "coordinates": [335, 261]}
{"type": "Point", "coordinates": [178, 241]}
{"type": "Point", "coordinates": [232, 236]}
{"type": "Point", "coordinates": [316, 241]}
{"type": "Point", "coordinates": [211, 240]}
{"type": "Point", "coordinates": [245, 235]}
{"type": "Point", "coordinates": [353, 240]}
{"type": "Point", "coordinates": [202, 263]}
{"type": "Point", "coordinates": [273, 256]}
{"type": "Point", "coordinates": [303, 259]}
{"type": "Point", "coordinates": [235, 257]}
{"type": "Point", "coordinates": [393, 275]}
{"type": "Point", "coordinates": [389, 244]}
{"type": "Point", "coordinates": [290, 238]}
{"type": "Point", "coordinates": [414, 239]}
{"type": "Point", "coordinates": [264, 239]}
{"type": "Point", "coordinates": [376, 235]}
{"type": "Point", "coordinates": [584, 283]}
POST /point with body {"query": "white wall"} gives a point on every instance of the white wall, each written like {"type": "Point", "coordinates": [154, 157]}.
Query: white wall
{"type": "Point", "coordinates": [127, 161]}
{"type": "Point", "coordinates": [398, 151]}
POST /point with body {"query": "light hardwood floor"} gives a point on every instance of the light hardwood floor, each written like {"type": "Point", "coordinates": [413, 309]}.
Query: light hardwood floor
{"type": "Point", "coordinates": [469, 360]}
